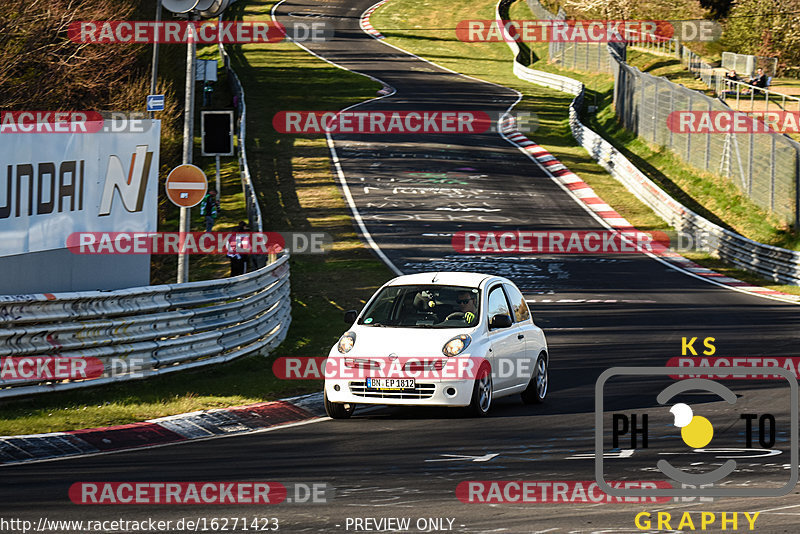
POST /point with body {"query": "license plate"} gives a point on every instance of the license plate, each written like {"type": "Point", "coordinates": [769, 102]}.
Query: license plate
{"type": "Point", "coordinates": [391, 383]}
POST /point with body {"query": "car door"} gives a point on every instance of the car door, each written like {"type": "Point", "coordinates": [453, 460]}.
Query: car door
{"type": "Point", "coordinates": [505, 346]}
{"type": "Point", "coordinates": [531, 335]}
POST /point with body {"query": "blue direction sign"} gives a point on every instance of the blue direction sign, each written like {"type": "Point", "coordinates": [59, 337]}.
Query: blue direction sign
{"type": "Point", "coordinates": [155, 102]}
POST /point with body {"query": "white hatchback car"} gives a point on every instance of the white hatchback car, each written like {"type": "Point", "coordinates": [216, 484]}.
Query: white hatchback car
{"type": "Point", "coordinates": [438, 339]}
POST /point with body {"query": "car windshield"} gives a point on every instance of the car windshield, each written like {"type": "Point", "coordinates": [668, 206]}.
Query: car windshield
{"type": "Point", "coordinates": [424, 306]}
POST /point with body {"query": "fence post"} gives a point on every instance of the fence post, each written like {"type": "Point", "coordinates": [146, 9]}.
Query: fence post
{"type": "Point", "coordinates": [640, 110]}
{"type": "Point", "coordinates": [574, 55]}
{"type": "Point", "coordinates": [655, 112]}
{"type": "Point", "coordinates": [689, 135]}
{"type": "Point", "coordinates": [586, 56]}
{"type": "Point", "coordinates": [671, 110]}
{"type": "Point", "coordinates": [772, 174]}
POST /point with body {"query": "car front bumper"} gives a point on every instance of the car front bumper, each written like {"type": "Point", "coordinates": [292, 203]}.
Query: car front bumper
{"type": "Point", "coordinates": [427, 392]}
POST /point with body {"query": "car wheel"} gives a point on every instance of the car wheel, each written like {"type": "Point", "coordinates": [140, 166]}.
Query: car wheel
{"type": "Point", "coordinates": [536, 391]}
{"type": "Point", "coordinates": [482, 393]}
{"type": "Point", "coordinates": [338, 410]}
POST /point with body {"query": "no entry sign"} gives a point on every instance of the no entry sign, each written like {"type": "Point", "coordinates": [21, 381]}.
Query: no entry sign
{"type": "Point", "coordinates": [186, 185]}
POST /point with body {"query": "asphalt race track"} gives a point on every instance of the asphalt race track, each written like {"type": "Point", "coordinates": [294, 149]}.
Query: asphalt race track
{"type": "Point", "coordinates": [598, 312]}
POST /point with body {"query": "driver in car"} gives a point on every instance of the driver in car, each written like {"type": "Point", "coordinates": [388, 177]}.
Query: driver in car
{"type": "Point", "coordinates": [466, 307]}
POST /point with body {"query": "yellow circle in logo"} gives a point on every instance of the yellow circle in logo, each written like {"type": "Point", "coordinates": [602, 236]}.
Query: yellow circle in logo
{"type": "Point", "coordinates": [698, 433]}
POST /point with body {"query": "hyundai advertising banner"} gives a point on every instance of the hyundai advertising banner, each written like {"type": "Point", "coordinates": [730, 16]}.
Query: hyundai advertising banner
{"type": "Point", "coordinates": [54, 183]}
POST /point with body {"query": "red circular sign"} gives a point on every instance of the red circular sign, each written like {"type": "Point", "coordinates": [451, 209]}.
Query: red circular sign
{"type": "Point", "coordinates": [186, 185]}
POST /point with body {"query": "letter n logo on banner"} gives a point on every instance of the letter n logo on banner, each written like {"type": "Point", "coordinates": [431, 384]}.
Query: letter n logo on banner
{"type": "Point", "coordinates": [132, 185]}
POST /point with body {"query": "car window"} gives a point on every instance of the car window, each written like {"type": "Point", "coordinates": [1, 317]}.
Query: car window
{"type": "Point", "coordinates": [518, 304]}
{"type": "Point", "coordinates": [381, 309]}
{"type": "Point", "coordinates": [497, 302]}
{"type": "Point", "coordinates": [423, 306]}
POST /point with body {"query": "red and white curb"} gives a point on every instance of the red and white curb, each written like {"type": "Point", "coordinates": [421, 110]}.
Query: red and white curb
{"type": "Point", "coordinates": [163, 431]}
{"type": "Point", "coordinates": [365, 23]}
{"type": "Point", "coordinates": [586, 195]}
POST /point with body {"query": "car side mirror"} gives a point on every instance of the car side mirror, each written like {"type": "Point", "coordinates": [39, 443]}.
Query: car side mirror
{"type": "Point", "coordinates": [350, 316]}
{"type": "Point", "coordinates": [500, 321]}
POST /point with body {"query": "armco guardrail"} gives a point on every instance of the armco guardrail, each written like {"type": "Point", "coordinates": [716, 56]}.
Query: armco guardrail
{"type": "Point", "coordinates": [147, 331]}
{"type": "Point", "coordinates": [780, 265]}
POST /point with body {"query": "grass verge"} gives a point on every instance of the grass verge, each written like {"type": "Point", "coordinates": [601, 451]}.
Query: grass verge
{"type": "Point", "coordinates": [407, 23]}
{"type": "Point", "coordinates": [298, 192]}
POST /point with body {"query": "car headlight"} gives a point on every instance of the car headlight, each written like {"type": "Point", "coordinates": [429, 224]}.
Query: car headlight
{"type": "Point", "coordinates": [456, 346]}
{"type": "Point", "coordinates": [346, 342]}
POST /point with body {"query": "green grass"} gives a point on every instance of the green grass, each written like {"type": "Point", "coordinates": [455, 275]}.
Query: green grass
{"type": "Point", "coordinates": [298, 192]}
{"type": "Point", "coordinates": [406, 24]}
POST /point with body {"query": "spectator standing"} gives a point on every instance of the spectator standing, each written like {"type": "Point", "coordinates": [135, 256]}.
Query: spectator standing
{"type": "Point", "coordinates": [245, 246]}
{"type": "Point", "coordinates": [209, 208]}
{"type": "Point", "coordinates": [238, 243]}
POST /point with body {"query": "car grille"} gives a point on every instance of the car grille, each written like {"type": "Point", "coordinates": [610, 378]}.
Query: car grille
{"type": "Point", "coordinates": [422, 391]}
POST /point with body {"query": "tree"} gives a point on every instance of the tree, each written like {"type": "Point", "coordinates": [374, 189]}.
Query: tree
{"type": "Point", "coordinates": [719, 9]}
{"type": "Point", "coordinates": [765, 28]}
{"type": "Point", "coordinates": [44, 70]}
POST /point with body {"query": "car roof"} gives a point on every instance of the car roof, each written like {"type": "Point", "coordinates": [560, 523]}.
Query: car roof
{"type": "Point", "coordinates": [444, 278]}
